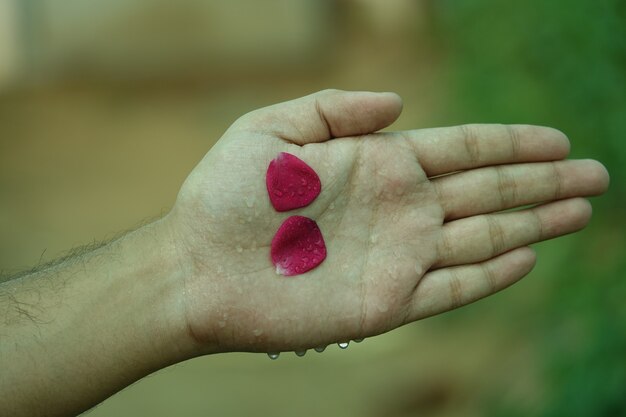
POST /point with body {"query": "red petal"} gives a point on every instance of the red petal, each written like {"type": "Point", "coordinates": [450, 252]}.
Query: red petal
{"type": "Point", "coordinates": [298, 246]}
{"type": "Point", "coordinates": [291, 183]}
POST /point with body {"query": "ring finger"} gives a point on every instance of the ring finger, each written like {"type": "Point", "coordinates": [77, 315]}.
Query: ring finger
{"type": "Point", "coordinates": [478, 238]}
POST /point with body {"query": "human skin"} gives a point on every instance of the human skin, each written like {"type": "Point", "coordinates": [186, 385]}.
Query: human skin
{"type": "Point", "coordinates": [410, 219]}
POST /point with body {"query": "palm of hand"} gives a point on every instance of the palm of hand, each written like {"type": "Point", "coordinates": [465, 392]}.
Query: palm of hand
{"type": "Point", "coordinates": [380, 222]}
{"type": "Point", "coordinates": [383, 224]}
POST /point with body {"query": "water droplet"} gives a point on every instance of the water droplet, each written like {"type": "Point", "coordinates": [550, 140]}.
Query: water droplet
{"type": "Point", "coordinates": [300, 352]}
{"type": "Point", "coordinates": [320, 349]}
{"type": "Point", "coordinates": [359, 340]}
{"type": "Point", "coordinates": [343, 345]}
{"type": "Point", "coordinates": [273, 355]}
{"type": "Point", "coordinates": [239, 248]}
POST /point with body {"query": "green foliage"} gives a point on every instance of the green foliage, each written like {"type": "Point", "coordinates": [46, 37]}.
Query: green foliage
{"type": "Point", "coordinates": [562, 64]}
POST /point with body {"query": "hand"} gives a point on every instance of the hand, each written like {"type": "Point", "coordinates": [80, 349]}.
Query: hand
{"type": "Point", "coordinates": [411, 221]}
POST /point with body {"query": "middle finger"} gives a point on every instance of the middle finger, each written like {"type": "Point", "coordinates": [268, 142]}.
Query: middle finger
{"type": "Point", "coordinates": [486, 190]}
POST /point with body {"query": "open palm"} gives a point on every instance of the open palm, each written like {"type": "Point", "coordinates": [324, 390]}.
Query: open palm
{"type": "Point", "coordinates": [410, 220]}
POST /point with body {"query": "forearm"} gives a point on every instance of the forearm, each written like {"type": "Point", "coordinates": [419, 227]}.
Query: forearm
{"type": "Point", "coordinates": [75, 333]}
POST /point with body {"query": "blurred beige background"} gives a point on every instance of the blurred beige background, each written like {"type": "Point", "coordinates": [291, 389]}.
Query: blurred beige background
{"type": "Point", "coordinates": [106, 106]}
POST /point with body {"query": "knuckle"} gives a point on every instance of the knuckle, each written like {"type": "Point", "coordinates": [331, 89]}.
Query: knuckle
{"type": "Point", "coordinates": [496, 235]}
{"type": "Point", "coordinates": [557, 191]}
{"type": "Point", "coordinates": [472, 145]}
{"type": "Point", "coordinates": [514, 139]}
{"type": "Point", "coordinates": [445, 250]}
{"type": "Point", "coordinates": [456, 290]}
{"type": "Point", "coordinates": [490, 278]}
{"type": "Point", "coordinates": [506, 186]}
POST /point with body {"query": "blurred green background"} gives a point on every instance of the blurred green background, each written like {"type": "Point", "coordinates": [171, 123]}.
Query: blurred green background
{"type": "Point", "coordinates": [105, 106]}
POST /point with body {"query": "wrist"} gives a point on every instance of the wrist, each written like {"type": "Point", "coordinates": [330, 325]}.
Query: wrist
{"type": "Point", "coordinates": [159, 302]}
{"type": "Point", "coordinates": [199, 265]}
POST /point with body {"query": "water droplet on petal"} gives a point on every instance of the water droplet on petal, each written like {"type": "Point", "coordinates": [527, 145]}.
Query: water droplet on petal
{"type": "Point", "coordinates": [289, 245]}
{"type": "Point", "coordinates": [359, 340]}
{"type": "Point", "coordinates": [273, 355]}
{"type": "Point", "coordinates": [343, 345]}
{"type": "Point", "coordinates": [320, 349]}
{"type": "Point", "coordinates": [300, 352]}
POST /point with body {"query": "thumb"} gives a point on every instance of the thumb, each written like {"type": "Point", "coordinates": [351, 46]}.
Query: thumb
{"type": "Point", "coordinates": [326, 115]}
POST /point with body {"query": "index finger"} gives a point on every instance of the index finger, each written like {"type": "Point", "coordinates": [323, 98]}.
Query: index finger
{"type": "Point", "coordinates": [449, 149]}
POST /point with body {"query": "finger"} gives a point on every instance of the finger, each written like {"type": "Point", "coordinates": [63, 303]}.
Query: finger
{"type": "Point", "coordinates": [450, 149]}
{"type": "Point", "coordinates": [325, 115]}
{"type": "Point", "coordinates": [486, 190]}
{"type": "Point", "coordinates": [478, 238]}
{"type": "Point", "coordinates": [448, 288]}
